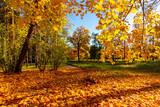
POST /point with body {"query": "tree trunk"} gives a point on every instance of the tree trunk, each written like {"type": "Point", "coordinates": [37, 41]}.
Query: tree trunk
{"type": "Point", "coordinates": [142, 47]}
{"type": "Point", "coordinates": [1, 41]}
{"type": "Point", "coordinates": [31, 51]}
{"type": "Point", "coordinates": [36, 57]}
{"type": "Point", "coordinates": [36, 50]}
{"type": "Point", "coordinates": [5, 38]}
{"type": "Point", "coordinates": [27, 59]}
{"type": "Point", "coordinates": [24, 50]}
{"type": "Point", "coordinates": [78, 51]}
{"type": "Point", "coordinates": [113, 57]}
{"type": "Point", "coordinates": [13, 31]}
{"type": "Point", "coordinates": [124, 49]}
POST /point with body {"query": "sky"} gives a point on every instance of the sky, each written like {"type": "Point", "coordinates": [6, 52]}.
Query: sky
{"type": "Point", "coordinates": [90, 21]}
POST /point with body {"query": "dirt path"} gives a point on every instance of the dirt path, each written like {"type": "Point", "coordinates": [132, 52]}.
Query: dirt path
{"type": "Point", "coordinates": [70, 66]}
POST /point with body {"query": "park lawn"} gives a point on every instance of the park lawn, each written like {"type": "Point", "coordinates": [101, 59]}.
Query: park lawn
{"type": "Point", "coordinates": [120, 66]}
{"type": "Point", "coordinates": [90, 84]}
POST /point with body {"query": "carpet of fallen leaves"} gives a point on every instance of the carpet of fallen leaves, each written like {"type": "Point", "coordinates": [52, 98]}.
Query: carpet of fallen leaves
{"type": "Point", "coordinates": [73, 86]}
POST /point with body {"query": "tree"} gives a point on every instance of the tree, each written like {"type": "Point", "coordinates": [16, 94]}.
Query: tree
{"type": "Point", "coordinates": [37, 13]}
{"type": "Point", "coordinates": [11, 37]}
{"type": "Point", "coordinates": [95, 48]}
{"type": "Point", "coordinates": [80, 41]}
{"type": "Point", "coordinates": [58, 49]}
{"type": "Point", "coordinates": [147, 50]}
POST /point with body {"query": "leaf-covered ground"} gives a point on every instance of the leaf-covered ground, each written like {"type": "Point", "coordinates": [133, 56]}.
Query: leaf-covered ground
{"type": "Point", "coordinates": [73, 86]}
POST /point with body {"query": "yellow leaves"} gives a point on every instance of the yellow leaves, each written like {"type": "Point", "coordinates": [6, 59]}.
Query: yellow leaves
{"type": "Point", "coordinates": [104, 27]}
{"type": "Point", "coordinates": [63, 6]}
{"type": "Point", "coordinates": [38, 18]}
{"type": "Point", "coordinates": [81, 35]}
{"type": "Point", "coordinates": [115, 23]}
{"type": "Point", "coordinates": [152, 30]}
{"type": "Point", "coordinates": [157, 16]}
{"type": "Point", "coordinates": [112, 62]}
{"type": "Point", "coordinates": [120, 8]}
{"type": "Point", "coordinates": [116, 31]}
{"type": "Point", "coordinates": [103, 57]}
{"type": "Point", "coordinates": [152, 21]}
{"type": "Point", "coordinates": [132, 2]}
{"type": "Point", "coordinates": [123, 37]}
{"type": "Point", "coordinates": [109, 38]}
{"type": "Point", "coordinates": [55, 28]}
{"type": "Point", "coordinates": [133, 10]}
{"type": "Point", "coordinates": [99, 5]}
{"type": "Point", "coordinates": [115, 16]}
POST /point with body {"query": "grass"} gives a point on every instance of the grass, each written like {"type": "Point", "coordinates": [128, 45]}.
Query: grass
{"type": "Point", "coordinates": [32, 66]}
{"type": "Point", "coordinates": [120, 66]}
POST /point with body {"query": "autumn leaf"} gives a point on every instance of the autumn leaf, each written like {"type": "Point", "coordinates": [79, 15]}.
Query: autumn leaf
{"type": "Point", "coordinates": [134, 11]}
{"type": "Point", "coordinates": [124, 37]}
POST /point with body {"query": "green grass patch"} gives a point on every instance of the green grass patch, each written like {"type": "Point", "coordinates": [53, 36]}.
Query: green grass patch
{"type": "Point", "coordinates": [120, 66]}
{"type": "Point", "coordinates": [32, 66]}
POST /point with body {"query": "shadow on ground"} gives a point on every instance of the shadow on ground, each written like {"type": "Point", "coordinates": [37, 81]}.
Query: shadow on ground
{"type": "Point", "coordinates": [139, 67]}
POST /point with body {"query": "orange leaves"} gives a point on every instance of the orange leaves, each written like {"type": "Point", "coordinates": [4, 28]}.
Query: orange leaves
{"type": "Point", "coordinates": [82, 1]}
{"type": "Point", "coordinates": [80, 41]}
{"type": "Point", "coordinates": [87, 3]}
{"type": "Point", "coordinates": [79, 87]}
{"type": "Point", "coordinates": [75, 3]}
{"type": "Point", "coordinates": [79, 11]}
{"type": "Point", "coordinates": [129, 40]}
{"type": "Point", "coordinates": [122, 28]}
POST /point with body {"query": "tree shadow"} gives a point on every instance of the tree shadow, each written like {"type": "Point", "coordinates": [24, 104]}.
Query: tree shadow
{"type": "Point", "coordinates": [135, 66]}
{"type": "Point", "coordinates": [142, 68]}
{"type": "Point", "coordinates": [82, 77]}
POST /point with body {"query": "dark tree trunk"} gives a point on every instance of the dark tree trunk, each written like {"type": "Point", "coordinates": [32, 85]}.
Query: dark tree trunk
{"type": "Point", "coordinates": [113, 57]}
{"type": "Point", "coordinates": [124, 49]}
{"type": "Point", "coordinates": [27, 59]}
{"type": "Point", "coordinates": [24, 50]}
{"type": "Point", "coordinates": [78, 51]}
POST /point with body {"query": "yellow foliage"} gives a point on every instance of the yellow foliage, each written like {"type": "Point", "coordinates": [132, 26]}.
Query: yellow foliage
{"type": "Point", "coordinates": [134, 11]}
